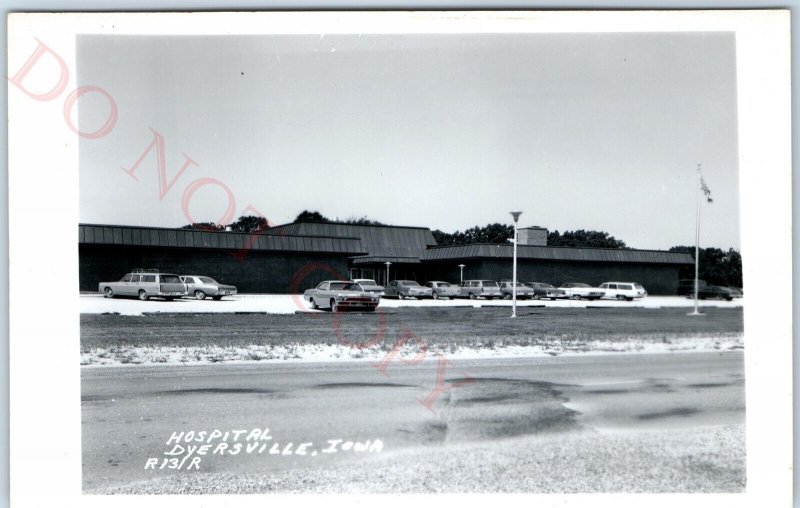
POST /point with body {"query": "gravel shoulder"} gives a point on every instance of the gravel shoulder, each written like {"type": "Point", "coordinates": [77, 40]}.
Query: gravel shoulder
{"type": "Point", "coordinates": [710, 459]}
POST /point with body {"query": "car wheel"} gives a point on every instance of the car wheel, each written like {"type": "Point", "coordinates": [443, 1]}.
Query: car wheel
{"type": "Point", "coordinates": [401, 296]}
{"type": "Point", "coordinates": [334, 305]}
{"type": "Point", "coordinates": [553, 299]}
{"type": "Point", "coordinates": [472, 296]}
{"type": "Point", "coordinates": [143, 295]}
{"type": "Point", "coordinates": [435, 295]}
{"type": "Point", "coordinates": [576, 297]}
{"type": "Point", "coordinates": [630, 299]}
{"type": "Point", "coordinates": [109, 293]}
{"type": "Point", "coordinates": [313, 304]}
{"type": "Point", "coordinates": [507, 296]}
{"type": "Point", "coordinates": [620, 297]}
{"type": "Point", "coordinates": [199, 295]}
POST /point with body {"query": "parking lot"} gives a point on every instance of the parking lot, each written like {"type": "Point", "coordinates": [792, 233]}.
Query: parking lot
{"type": "Point", "coordinates": [92, 303]}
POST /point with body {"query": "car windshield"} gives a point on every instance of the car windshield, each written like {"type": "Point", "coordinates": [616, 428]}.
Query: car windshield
{"type": "Point", "coordinates": [170, 278]}
{"type": "Point", "coordinates": [409, 283]}
{"type": "Point", "coordinates": [443, 284]}
{"type": "Point", "coordinates": [207, 280]}
{"type": "Point", "coordinates": [367, 282]}
{"type": "Point", "coordinates": [345, 286]}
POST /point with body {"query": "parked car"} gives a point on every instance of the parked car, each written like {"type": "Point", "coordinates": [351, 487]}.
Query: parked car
{"type": "Point", "coordinates": [407, 289]}
{"type": "Point", "coordinates": [370, 286]}
{"type": "Point", "coordinates": [338, 295]}
{"type": "Point", "coordinates": [523, 291]}
{"type": "Point", "coordinates": [623, 290]}
{"type": "Point", "coordinates": [200, 286]}
{"type": "Point", "coordinates": [545, 290]}
{"type": "Point", "coordinates": [715, 293]}
{"type": "Point", "coordinates": [578, 290]}
{"type": "Point", "coordinates": [441, 289]}
{"type": "Point", "coordinates": [145, 284]}
{"type": "Point", "coordinates": [473, 289]}
{"type": "Point", "coordinates": [704, 290]}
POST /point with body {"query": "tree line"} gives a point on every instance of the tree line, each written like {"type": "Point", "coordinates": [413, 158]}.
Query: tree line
{"type": "Point", "coordinates": [718, 267]}
{"type": "Point", "coordinates": [254, 223]}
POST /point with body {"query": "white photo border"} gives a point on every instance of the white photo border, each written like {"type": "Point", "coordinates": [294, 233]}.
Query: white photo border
{"type": "Point", "coordinates": [45, 440]}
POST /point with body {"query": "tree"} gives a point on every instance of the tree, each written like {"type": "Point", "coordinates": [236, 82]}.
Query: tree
{"type": "Point", "coordinates": [204, 226]}
{"type": "Point", "coordinates": [361, 221]}
{"type": "Point", "coordinates": [490, 233]}
{"type": "Point", "coordinates": [582, 238]}
{"type": "Point", "coordinates": [306, 216]}
{"type": "Point", "coordinates": [249, 224]}
{"type": "Point", "coordinates": [717, 267]}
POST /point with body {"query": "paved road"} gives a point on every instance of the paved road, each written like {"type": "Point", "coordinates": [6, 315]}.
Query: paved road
{"type": "Point", "coordinates": [129, 414]}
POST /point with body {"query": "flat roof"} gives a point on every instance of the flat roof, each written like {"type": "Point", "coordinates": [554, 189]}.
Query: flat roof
{"type": "Point", "coordinates": [505, 251]}
{"type": "Point", "coordinates": [100, 234]}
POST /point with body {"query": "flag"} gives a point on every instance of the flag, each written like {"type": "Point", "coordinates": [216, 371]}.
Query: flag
{"type": "Point", "coordinates": [704, 187]}
{"type": "Point", "coordinates": [705, 190]}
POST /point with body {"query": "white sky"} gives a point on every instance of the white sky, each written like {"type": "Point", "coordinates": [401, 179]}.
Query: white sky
{"type": "Point", "coordinates": [579, 131]}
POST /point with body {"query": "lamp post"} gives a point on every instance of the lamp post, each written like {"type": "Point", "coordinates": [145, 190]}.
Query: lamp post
{"type": "Point", "coordinates": [462, 272]}
{"type": "Point", "coordinates": [388, 264]}
{"type": "Point", "coordinates": [514, 281]}
{"type": "Point", "coordinates": [696, 312]}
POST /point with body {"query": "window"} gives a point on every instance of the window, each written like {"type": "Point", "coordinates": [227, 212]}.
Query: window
{"type": "Point", "coordinates": [323, 285]}
{"type": "Point", "coordinates": [148, 278]}
{"type": "Point", "coordinates": [135, 278]}
{"type": "Point", "coordinates": [612, 286]}
{"type": "Point", "coordinates": [127, 278]}
{"type": "Point", "coordinates": [207, 280]}
{"type": "Point", "coordinates": [625, 286]}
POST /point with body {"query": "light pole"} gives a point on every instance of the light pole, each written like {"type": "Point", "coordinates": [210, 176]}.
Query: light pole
{"type": "Point", "coordinates": [462, 272]}
{"type": "Point", "coordinates": [696, 312]}
{"type": "Point", "coordinates": [514, 282]}
{"type": "Point", "coordinates": [388, 264]}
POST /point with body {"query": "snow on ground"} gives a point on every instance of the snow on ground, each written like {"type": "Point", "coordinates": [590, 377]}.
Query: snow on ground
{"type": "Point", "coordinates": [289, 304]}
{"type": "Point", "coordinates": [99, 357]}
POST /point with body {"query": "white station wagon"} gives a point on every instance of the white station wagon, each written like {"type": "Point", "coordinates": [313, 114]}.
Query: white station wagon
{"type": "Point", "coordinates": [623, 290]}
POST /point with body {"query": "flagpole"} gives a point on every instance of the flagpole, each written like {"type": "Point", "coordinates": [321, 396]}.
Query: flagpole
{"type": "Point", "coordinates": [697, 248]}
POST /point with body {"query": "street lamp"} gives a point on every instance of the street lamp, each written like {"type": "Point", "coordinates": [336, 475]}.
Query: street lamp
{"type": "Point", "coordinates": [514, 282]}
{"type": "Point", "coordinates": [388, 264]}
{"type": "Point", "coordinates": [462, 272]}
